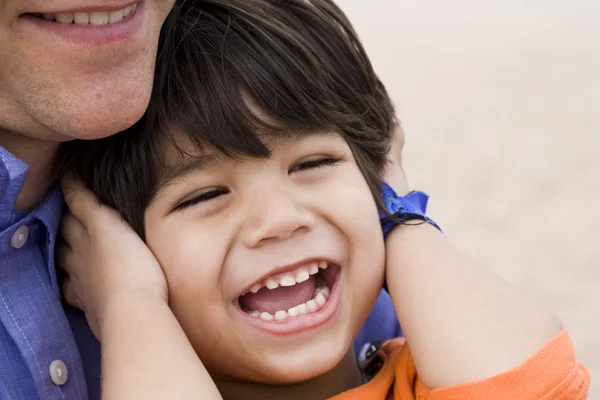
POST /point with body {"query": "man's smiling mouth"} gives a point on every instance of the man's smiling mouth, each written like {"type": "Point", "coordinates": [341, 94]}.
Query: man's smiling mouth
{"type": "Point", "coordinates": [290, 294]}
{"type": "Point", "coordinates": [89, 18]}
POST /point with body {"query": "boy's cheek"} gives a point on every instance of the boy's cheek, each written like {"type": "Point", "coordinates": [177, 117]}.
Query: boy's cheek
{"type": "Point", "coordinates": [191, 263]}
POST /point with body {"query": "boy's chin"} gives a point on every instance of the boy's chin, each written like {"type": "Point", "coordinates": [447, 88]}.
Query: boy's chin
{"type": "Point", "coordinates": [296, 364]}
{"type": "Point", "coordinates": [302, 366]}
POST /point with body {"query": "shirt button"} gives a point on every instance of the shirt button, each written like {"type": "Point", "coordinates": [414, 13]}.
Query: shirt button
{"type": "Point", "coordinates": [59, 372]}
{"type": "Point", "coordinates": [19, 238]}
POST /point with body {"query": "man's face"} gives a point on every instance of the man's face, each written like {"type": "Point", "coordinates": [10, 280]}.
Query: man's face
{"type": "Point", "coordinates": [272, 264]}
{"type": "Point", "coordinates": [76, 68]}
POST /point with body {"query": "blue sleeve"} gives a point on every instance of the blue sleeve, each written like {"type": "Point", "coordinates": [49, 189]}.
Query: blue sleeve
{"type": "Point", "coordinates": [381, 325]}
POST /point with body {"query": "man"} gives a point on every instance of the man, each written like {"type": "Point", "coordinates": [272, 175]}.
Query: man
{"type": "Point", "coordinates": [69, 69]}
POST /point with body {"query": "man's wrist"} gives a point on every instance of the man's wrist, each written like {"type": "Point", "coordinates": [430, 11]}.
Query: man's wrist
{"type": "Point", "coordinates": [125, 306]}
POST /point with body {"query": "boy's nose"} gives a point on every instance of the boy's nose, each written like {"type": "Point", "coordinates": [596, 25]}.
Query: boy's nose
{"type": "Point", "coordinates": [275, 215]}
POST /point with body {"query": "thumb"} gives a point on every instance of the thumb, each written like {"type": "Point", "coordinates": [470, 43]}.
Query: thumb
{"type": "Point", "coordinates": [80, 200]}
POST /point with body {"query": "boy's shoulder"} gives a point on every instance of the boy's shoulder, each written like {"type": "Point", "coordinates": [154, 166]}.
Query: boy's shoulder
{"type": "Point", "coordinates": [390, 374]}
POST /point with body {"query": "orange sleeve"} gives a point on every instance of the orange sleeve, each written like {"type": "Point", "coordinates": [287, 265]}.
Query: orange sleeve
{"type": "Point", "coordinates": [552, 373]}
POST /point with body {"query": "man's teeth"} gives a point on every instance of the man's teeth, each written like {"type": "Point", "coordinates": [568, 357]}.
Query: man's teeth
{"type": "Point", "coordinates": [91, 18]}
{"type": "Point", "coordinates": [290, 278]}
{"type": "Point", "coordinates": [315, 304]}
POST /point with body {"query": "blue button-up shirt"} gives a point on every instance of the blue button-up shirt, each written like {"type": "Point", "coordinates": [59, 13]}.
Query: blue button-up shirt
{"type": "Point", "coordinates": [36, 328]}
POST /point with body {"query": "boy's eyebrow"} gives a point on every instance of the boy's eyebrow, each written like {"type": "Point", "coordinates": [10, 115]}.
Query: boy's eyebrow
{"type": "Point", "coordinates": [189, 165]}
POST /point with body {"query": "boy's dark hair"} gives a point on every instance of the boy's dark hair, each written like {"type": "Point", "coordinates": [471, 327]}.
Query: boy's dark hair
{"type": "Point", "coordinates": [298, 62]}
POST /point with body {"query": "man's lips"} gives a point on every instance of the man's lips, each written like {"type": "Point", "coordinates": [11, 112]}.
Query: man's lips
{"type": "Point", "coordinates": [87, 8]}
{"type": "Point", "coordinates": [88, 17]}
{"type": "Point", "coordinates": [90, 28]}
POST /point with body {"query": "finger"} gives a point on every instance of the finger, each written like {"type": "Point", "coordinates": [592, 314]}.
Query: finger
{"type": "Point", "coordinates": [68, 293]}
{"type": "Point", "coordinates": [80, 200]}
{"type": "Point", "coordinates": [71, 229]}
{"type": "Point", "coordinates": [65, 259]}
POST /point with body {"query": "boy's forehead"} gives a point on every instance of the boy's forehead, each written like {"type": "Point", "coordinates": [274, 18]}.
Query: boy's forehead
{"type": "Point", "coordinates": [183, 146]}
{"type": "Point", "coordinates": [178, 144]}
{"type": "Point", "coordinates": [184, 155]}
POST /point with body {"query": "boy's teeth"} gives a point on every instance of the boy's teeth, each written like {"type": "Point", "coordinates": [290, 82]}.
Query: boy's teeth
{"type": "Point", "coordinates": [312, 306]}
{"type": "Point", "coordinates": [256, 288]}
{"type": "Point", "coordinates": [302, 309]}
{"type": "Point", "coordinates": [301, 274]}
{"type": "Point", "coordinates": [281, 315]}
{"type": "Point", "coordinates": [326, 291]}
{"type": "Point", "coordinates": [315, 304]}
{"type": "Point", "coordinates": [287, 280]}
{"type": "Point", "coordinates": [266, 316]}
{"type": "Point", "coordinates": [320, 300]}
{"type": "Point", "coordinates": [92, 18]}
{"type": "Point", "coordinates": [293, 312]}
{"type": "Point", "coordinates": [271, 283]}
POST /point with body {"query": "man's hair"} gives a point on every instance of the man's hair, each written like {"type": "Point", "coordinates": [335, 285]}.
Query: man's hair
{"type": "Point", "coordinates": [230, 71]}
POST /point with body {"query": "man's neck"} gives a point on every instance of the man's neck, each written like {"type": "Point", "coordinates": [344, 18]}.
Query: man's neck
{"type": "Point", "coordinates": [343, 377]}
{"type": "Point", "coordinates": [41, 157]}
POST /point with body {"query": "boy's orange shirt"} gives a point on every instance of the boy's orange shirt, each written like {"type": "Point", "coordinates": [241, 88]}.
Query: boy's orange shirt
{"type": "Point", "coordinates": [551, 374]}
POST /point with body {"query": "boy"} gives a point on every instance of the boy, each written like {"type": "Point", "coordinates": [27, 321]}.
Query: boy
{"type": "Point", "coordinates": [255, 179]}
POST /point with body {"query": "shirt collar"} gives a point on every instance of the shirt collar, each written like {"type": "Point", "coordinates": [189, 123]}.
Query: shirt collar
{"type": "Point", "coordinates": [13, 172]}
{"type": "Point", "coordinates": [12, 176]}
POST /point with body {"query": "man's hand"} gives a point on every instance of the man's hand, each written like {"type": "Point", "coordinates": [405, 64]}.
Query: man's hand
{"type": "Point", "coordinates": [119, 284]}
{"type": "Point", "coordinates": [106, 261]}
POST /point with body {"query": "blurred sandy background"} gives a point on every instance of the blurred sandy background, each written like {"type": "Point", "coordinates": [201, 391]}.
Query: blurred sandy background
{"type": "Point", "coordinates": [500, 102]}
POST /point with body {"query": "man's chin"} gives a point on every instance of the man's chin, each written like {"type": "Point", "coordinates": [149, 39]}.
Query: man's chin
{"type": "Point", "coordinates": [88, 125]}
{"type": "Point", "coordinates": [94, 130]}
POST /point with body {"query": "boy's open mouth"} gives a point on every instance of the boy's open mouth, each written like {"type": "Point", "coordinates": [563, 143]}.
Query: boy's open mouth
{"type": "Point", "coordinates": [291, 294]}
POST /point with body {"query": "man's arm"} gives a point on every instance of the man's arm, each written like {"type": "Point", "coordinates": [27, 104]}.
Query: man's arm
{"type": "Point", "coordinates": [117, 281]}
{"type": "Point", "coordinates": [462, 322]}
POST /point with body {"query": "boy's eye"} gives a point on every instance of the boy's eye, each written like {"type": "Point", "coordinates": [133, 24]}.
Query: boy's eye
{"type": "Point", "coordinates": [203, 196]}
{"type": "Point", "coordinates": [316, 163]}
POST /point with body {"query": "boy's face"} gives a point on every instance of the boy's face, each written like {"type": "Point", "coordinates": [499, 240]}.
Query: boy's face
{"type": "Point", "coordinates": [227, 228]}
